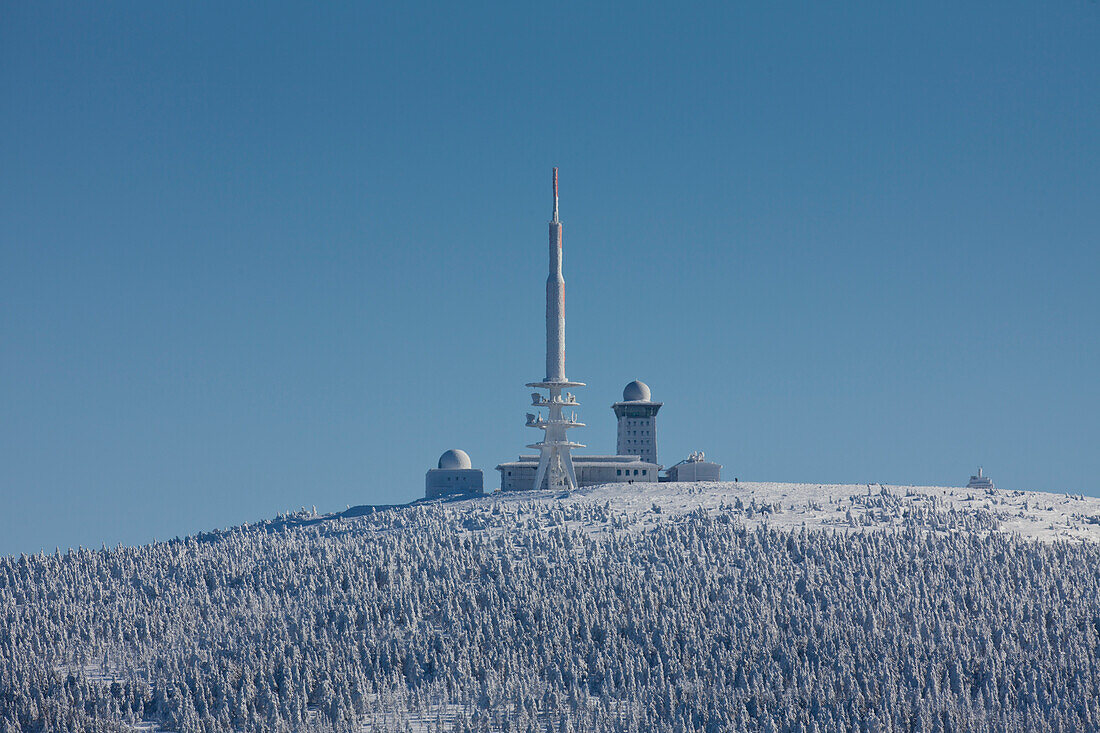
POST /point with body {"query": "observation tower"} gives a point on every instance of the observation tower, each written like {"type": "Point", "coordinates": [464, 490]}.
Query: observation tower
{"type": "Point", "coordinates": [555, 459]}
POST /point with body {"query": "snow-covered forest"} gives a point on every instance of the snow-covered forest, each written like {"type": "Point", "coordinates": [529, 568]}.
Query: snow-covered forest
{"type": "Point", "coordinates": [564, 614]}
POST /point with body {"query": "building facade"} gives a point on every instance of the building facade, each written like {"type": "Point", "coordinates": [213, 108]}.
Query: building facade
{"type": "Point", "coordinates": [519, 475]}
{"type": "Point", "coordinates": [694, 468]}
{"type": "Point", "coordinates": [637, 416]}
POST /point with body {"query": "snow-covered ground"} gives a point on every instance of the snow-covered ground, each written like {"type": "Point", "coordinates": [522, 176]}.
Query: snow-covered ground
{"type": "Point", "coordinates": [1029, 514]}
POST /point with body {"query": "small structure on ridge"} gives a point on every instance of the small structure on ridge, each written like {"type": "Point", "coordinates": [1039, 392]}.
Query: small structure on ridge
{"type": "Point", "coordinates": [455, 475]}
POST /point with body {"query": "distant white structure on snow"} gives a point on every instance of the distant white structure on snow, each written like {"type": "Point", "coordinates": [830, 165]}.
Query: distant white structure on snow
{"type": "Point", "coordinates": [695, 468]}
{"type": "Point", "coordinates": [980, 481]}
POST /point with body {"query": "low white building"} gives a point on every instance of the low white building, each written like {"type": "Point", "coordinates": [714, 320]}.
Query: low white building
{"type": "Point", "coordinates": [454, 475]}
{"type": "Point", "coordinates": [695, 468]}
{"type": "Point", "coordinates": [519, 475]}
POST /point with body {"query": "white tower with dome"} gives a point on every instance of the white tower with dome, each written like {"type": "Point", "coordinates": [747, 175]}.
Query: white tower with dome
{"type": "Point", "coordinates": [637, 415]}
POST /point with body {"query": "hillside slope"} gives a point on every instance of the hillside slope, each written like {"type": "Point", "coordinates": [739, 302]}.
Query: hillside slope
{"type": "Point", "coordinates": [1029, 514]}
{"type": "Point", "coordinates": [639, 608]}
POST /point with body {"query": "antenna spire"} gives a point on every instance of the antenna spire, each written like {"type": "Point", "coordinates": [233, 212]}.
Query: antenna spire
{"type": "Point", "coordinates": [555, 194]}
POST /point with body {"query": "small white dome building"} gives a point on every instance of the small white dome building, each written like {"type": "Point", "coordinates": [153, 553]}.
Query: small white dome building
{"type": "Point", "coordinates": [455, 475]}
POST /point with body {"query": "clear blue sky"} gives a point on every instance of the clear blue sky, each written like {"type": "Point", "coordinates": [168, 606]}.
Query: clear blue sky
{"type": "Point", "coordinates": [254, 257]}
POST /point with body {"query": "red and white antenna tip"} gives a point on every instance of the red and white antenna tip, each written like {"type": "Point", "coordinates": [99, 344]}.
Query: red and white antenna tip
{"type": "Point", "coordinates": [555, 194]}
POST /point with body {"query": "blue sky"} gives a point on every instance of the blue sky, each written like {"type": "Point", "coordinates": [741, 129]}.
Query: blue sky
{"type": "Point", "coordinates": [259, 257]}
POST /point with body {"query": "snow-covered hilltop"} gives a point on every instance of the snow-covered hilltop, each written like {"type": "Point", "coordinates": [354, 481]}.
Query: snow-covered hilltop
{"type": "Point", "coordinates": [645, 607]}
{"type": "Point", "coordinates": [1030, 514]}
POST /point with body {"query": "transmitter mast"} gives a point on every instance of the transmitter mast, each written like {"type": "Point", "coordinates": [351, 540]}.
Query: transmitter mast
{"type": "Point", "coordinates": [555, 460]}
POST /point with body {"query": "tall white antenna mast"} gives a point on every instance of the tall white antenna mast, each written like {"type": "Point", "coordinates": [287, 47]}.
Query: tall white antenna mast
{"type": "Point", "coordinates": [555, 459]}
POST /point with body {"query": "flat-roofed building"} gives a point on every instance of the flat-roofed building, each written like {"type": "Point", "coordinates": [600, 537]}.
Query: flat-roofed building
{"type": "Point", "coordinates": [695, 468]}
{"type": "Point", "coordinates": [519, 475]}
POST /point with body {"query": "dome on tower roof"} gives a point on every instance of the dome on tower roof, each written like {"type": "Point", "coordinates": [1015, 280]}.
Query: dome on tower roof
{"type": "Point", "coordinates": [636, 392]}
{"type": "Point", "coordinates": [455, 459]}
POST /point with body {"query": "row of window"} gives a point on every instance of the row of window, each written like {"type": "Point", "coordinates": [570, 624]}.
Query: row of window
{"type": "Point", "coordinates": [619, 472]}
